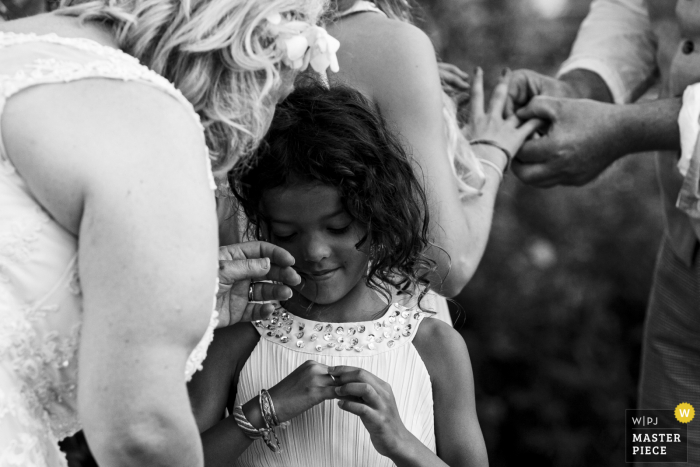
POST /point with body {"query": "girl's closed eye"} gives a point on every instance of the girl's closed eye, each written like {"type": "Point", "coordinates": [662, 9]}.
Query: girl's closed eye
{"type": "Point", "coordinates": [283, 237]}
{"type": "Point", "coordinates": [340, 230]}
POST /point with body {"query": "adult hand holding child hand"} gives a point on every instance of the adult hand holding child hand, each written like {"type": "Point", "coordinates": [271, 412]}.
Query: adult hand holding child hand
{"type": "Point", "coordinates": [242, 263]}
{"type": "Point", "coordinates": [582, 137]}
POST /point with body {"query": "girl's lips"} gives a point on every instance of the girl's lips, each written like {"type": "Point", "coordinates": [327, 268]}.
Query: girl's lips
{"type": "Point", "coordinates": [321, 275]}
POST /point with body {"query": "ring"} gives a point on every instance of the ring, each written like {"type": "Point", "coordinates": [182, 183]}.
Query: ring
{"type": "Point", "coordinates": [251, 291]}
{"type": "Point", "coordinates": [332, 377]}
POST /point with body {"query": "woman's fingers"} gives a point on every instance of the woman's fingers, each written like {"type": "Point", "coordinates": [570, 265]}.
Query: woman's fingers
{"type": "Point", "coordinates": [529, 127]}
{"type": "Point", "coordinates": [477, 97]}
{"type": "Point", "coordinates": [256, 311]}
{"type": "Point", "coordinates": [453, 76]}
{"type": "Point", "coordinates": [286, 275]}
{"type": "Point", "coordinates": [266, 291]}
{"type": "Point", "coordinates": [256, 260]}
{"type": "Point", "coordinates": [231, 271]}
{"type": "Point", "coordinates": [499, 97]}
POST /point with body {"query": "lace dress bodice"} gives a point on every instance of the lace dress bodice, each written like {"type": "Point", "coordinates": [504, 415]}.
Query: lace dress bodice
{"type": "Point", "coordinates": [40, 295]}
{"type": "Point", "coordinates": [325, 435]}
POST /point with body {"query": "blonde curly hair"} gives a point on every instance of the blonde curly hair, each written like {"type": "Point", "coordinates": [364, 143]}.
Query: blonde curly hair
{"type": "Point", "coordinates": [221, 54]}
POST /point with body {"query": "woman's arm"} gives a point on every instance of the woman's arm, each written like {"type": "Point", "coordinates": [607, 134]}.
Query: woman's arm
{"type": "Point", "coordinates": [401, 76]}
{"type": "Point", "coordinates": [121, 165]}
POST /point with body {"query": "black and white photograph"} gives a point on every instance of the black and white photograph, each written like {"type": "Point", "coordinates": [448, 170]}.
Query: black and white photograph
{"type": "Point", "coordinates": [349, 233]}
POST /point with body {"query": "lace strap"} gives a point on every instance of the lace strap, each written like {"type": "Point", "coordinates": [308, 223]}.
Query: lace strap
{"type": "Point", "coordinates": [102, 62]}
{"type": "Point", "coordinates": [361, 6]}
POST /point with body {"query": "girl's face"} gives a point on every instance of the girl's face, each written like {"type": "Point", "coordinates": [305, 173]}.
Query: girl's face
{"type": "Point", "coordinates": [309, 221]}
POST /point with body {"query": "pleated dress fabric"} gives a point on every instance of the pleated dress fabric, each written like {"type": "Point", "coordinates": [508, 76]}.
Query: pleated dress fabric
{"type": "Point", "coordinates": [325, 435]}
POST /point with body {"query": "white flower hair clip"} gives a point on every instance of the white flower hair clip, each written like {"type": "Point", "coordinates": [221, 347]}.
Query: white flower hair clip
{"type": "Point", "coordinates": [305, 44]}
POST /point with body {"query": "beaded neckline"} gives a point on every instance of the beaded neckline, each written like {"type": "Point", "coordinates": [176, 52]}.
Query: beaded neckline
{"type": "Point", "coordinates": [395, 328]}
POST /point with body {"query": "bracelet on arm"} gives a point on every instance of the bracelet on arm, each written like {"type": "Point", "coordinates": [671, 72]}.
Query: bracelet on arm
{"type": "Point", "coordinates": [488, 163]}
{"type": "Point", "coordinates": [267, 434]}
{"type": "Point", "coordinates": [248, 429]}
{"type": "Point", "coordinates": [488, 142]}
{"type": "Point", "coordinates": [267, 408]}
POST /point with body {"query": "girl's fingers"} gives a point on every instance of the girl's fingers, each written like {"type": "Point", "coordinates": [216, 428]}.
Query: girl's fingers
{"type": "Point", "coordinates": [363, 391]}
{"type": "Point", "coordinates": [357, 408]}
{"type": "Point", "coordinates": [497, 104]}
{"type": "Point", "coordinates": [477, 97]}
{"type": "Point", "coordinates": [352, 374]}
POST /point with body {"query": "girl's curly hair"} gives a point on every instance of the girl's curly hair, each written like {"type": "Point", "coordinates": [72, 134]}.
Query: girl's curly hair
{"type": "Point", "coordinates": [336, 137]}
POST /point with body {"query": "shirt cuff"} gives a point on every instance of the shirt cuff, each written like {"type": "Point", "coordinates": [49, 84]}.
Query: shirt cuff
{"type": "Point", "coordinates": [602, 69]}
{"type": "Point", "coordinates": [689, 162]}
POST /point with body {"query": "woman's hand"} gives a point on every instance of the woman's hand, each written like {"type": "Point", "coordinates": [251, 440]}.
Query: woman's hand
{"type": "Point", "coordinates": [455, 83]}
{"type": "Point", "coordinates": [239, 264]}
{"type": "Point", "coordinates": [490, 124]}
{"type": "Point", "coordinates": [308, 385]}
{"type": "Point", "coordinates": [372, 399]}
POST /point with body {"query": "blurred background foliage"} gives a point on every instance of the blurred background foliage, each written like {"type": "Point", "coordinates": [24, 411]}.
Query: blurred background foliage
{"type": "Point", "coordinates": [553, 317]}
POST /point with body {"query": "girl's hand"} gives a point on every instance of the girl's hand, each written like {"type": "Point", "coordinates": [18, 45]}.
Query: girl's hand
{"type": "Point", "coordinates": [372, 399]}
{"type": "Point", "coordinates": [510, 133]}
{"type": "Point", "coordinates": [308, 385]}
{"type": "Point", "coordinates": [239, 265]}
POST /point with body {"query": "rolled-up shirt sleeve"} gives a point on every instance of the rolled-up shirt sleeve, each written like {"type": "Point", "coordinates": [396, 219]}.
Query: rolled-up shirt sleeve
{"type": "Point", "coordinates": [616, 42]}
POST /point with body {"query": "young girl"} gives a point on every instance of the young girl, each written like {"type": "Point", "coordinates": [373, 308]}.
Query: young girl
{"type": "Point", "coordinates": [336, 189]}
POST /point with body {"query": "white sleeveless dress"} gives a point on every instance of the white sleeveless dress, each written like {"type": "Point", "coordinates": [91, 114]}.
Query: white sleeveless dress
{"type": "Point", "coordinates": [325, 435]}
{"type": "Point", "coordinates": [40, 297]}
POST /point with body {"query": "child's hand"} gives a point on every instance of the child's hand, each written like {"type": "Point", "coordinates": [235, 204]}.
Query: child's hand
{"type": "Point", "coordinates": [372, 399]}
{"type": "Point", "coordinates": [308, 385]}
{"type": "Point", "coordinates": [490, 124]}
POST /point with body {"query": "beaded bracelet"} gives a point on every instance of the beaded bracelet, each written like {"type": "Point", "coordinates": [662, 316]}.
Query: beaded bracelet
{"type": "Point", "coordinates": [488, 142]}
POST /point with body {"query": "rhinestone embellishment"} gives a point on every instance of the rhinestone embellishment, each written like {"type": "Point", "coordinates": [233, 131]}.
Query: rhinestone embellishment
{"type": "Point", "coordinates": [396, 324]}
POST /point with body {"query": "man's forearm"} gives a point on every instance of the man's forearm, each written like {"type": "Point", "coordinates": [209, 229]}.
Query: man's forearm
{"type": "Point", "coordinates": [650, 126]}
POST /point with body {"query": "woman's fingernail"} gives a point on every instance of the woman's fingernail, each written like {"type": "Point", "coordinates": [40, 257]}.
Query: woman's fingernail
{"type": "Point", "coordinates": [337, 390]}
{"type": "Point", "coordinates": [266, 263]}
{"type": "Point", "coordinates": [340, 404]}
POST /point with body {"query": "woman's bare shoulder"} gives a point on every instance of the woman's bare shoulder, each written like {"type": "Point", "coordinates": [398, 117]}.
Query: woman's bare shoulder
{"type": "Point", "coordinates": [70, 138]}
{"type": "Point", "coordinates": [379, 54]}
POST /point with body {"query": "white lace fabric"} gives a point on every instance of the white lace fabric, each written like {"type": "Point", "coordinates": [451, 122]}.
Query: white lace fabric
{"type": "Point", "coordinates": [40, 295]}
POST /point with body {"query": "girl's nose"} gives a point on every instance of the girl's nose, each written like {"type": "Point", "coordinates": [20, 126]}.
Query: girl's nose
{"type": "Point", "coordinates": [315, 250]}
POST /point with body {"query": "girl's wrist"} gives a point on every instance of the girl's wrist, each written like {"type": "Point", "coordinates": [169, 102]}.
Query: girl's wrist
{"type": "Point", "coordinates": [251, 409]}
{"type": "Point", "coordinates": [491, 154]}
{"type": "Point", "coordinates": [405, 449]}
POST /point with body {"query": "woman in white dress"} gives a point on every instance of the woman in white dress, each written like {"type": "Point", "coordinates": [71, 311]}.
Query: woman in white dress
{"type": "Point", "coordinates": [102, 159]}
{"type": "Point", "coordinates": [401, 77]}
